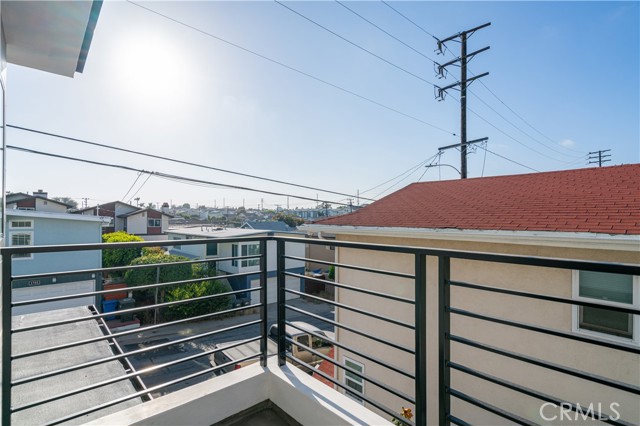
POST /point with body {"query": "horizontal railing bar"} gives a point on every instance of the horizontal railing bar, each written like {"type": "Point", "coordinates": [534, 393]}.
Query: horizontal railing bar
{"type": "Point", "coordinates": [135, 374]}
{"type": "Point", "coordinates": [343, 386]}
{"type": "Point", "coordinates": [353, 330]}
{"type": "Point", "coordinates": [362, 355]}
{"type": "Point", "coordinates": [127, 267]}
{"type": "Point", "coordinates": [351, 308]}
{"type": "Point", "coordinates": [152, 389]}
{"type": "Point", "coordinates": [137, 244]}
{"type": "Point", "coordinates": [127, 332]}
{"type": "Point", "coordinates": [617, 268]}
{"type": "Point", "coordinates": [545, 297]}
{"type": "Point", "coordinates": [354, 267]}
{"type": "Point", "coordinates": [126, 311]}
{"type": "Point", "coordinates": [491, 408]}
{"type": "Point", "coordinates": [549, 365]}
{"type": "Point", "coordinates": [349, 287]}
{"type": "Point", "coordinates": [369, 379]}
{"type": "Point", "coordinates": [549, 331]}
{"type": "Point", "coordinates": [533, 393]}
{"type": "Point", "coordinates": [130, 353]}
{"type": "Point", "coordinates": [457, 421]}
{"type": "Point", "coordinates": [132, 289]}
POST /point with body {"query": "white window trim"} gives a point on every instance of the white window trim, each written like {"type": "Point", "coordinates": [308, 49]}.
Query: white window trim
{"type": "Point", "coordinates": [20, 227]}
{"type": "Point", "coordinates": [345, 378]}
{"type": "Point", "coordinates": [575, 317]}
{"type": "Point", "coordinates": [30, 233]}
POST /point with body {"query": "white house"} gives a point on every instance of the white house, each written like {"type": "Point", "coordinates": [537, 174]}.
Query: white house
{"type": "Point", "coordinates": [215, 250]}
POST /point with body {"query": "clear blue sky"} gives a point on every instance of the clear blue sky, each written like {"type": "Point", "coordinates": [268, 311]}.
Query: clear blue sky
{"type": "Point", "coordinates": [570, 69]}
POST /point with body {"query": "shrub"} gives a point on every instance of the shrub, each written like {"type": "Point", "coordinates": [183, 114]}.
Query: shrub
{"type": "Point", "coordinates": [332, 272]}
{"type": "Point", "coordinates": [202, 307]}
{"type": "Point", "coordinates": [121, 256]}
{"type": "Point", "coordinates": [161, 274]}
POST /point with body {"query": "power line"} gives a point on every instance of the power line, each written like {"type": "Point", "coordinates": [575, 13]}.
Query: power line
{"type": "Point", "coordinates": [523, 132]}
{"type": "Point", "coordinates": [523, 120]}
{"type": "Point", "coordinates": [188, 163]}
{"type": "Point", "coordinates": [143, 184]}
{"type": "Point", "coordinates": [385, 31]}
{"type": "Point", "coordinates": [411, 169]}
{"type": "Point", "coordinates": [131, 187]}
{"type": "Point", "coordinates": [406, 177]}
{"type": "Point", "coordinates": [296, 70]}
{"type": "Point", "coordinates": [355, 44]}
{"type": "Point", "coordinates": [407, 18]}
{"type": "Point", "coordinates": [505, 158]}
{"type": "Point", "coordinates": [167, 175]}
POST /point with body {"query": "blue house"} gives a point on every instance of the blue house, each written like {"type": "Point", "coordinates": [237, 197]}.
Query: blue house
{"type": "Point", "coordinates": [33, 227]}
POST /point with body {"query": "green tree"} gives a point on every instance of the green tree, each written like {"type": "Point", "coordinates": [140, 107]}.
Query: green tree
{"type": "Point", "coordinates": [289, 219]}
{"type": "Point", "coordinates": [160, 274]}
{"type": "Point", "coordinates": [186, 206]}
{"type": "Point", "coordinates": [67, 200]}
{"type": "Point", "coordinates": [120, 256]}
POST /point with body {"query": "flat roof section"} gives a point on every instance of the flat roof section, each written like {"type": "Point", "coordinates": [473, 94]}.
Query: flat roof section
{"type": "Point", "coordinates": [55, 360]}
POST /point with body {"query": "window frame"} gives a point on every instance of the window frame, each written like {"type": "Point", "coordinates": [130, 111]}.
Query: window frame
{"type": "Point", "coordinates": [240, 250]}
{"type": "Point", "coordinates": [154, 220]}
{"type": "Point", "coordinates": [11, 222]}
{"type": "Point", "coordinates": [206, 249]}
{"type": "Point", "coordinates": [346, 378]}
{"type": "Point", "coordinates": [635, 320]}
{"type": "Point", "coordinates": [21, 256]}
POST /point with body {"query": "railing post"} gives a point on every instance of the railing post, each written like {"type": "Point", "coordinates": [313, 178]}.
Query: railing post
{"type": "Point", "coordinates": [281, 301]}
{"type": "Point", "coordinates": [444, 300]}
{"type": "Point", "coordinates": [6, 339]}
{"type": "Point", "coordinates": [263, 302]}
{"type": "Point", "coordinates": [421, 339]}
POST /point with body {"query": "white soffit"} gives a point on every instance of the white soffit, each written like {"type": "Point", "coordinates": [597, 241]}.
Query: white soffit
{"type": "Point", "coordinates": [52, 36]}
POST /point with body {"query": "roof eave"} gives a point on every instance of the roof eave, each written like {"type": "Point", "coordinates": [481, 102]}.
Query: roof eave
{"type": "Point", "coordinates": [539, 238]}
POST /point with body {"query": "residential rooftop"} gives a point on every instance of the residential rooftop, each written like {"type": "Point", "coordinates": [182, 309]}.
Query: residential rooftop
{"type": "Point", "coordinates": [594, 200]}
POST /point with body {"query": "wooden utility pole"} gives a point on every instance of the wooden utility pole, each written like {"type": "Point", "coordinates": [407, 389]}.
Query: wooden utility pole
{"type": "Point", "coordinates": [462, 84]}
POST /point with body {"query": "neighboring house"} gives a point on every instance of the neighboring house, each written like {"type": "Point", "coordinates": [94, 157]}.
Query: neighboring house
{"type": "Point", "coordinates": [278, 226]}
{"type": "Point", "coordinates": [125, 217]}
{"type": "Point", "coordinates": [29, 228]}
{"type": "Point", "coordinates": [215, 250]}
{"type": "Point", "coordinates": [37, 201]}
{"type": "Point", "coordinates": [587, 214]}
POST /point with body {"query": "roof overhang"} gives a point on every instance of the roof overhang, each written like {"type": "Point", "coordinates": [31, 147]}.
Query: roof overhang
{"type": "Point", "coordinates": [52, 36]}
{"type": "Point", "coordinates": [54, 215]}
{"type": "Point", "coordinates": [538, 238]}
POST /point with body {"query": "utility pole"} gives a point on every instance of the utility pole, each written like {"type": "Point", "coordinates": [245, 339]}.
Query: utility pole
{"type": "Point", "coordinates": [463, 83]}
{"type": "Point", "coordinates": [599, 157]}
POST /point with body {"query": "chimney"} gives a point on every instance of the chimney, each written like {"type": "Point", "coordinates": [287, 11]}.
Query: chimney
{"type": "Point", "coordinates": [40, 193]}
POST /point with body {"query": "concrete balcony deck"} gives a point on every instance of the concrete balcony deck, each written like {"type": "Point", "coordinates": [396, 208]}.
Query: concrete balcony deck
{"type": "Point", "coordinates": [222, 400]}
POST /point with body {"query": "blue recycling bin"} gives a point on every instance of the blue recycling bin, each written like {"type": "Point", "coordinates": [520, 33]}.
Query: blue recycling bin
{"type": "Point", "coordinates": [109, 306]}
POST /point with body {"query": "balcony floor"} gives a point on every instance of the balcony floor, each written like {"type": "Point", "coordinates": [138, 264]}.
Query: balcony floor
{"type": "Point", "coordinates": [263, 414]}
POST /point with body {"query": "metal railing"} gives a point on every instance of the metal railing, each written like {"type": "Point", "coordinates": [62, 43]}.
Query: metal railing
{"type": "Point", "coordinates": [417, 347]}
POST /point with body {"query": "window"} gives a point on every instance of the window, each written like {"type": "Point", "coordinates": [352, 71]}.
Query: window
{"type": "Point", "coordinates": [246, 250]}
{"type": "Point", "coordinates": [22, 239]}
{"type": "Point", "coordinates": [156, 223]}
{"type": "Point", "coordinates": [250, 250]}
{"type": "Point", "coordinates": [234, 253]}
{"type": "Point", "coordinates": [352, 381]}
{"type": "Point", "coordinates": [21, 224]}
{"type": "Point", "coordinates": [212, 249]}
{"type": "Point", "coordinates": [607, 289]}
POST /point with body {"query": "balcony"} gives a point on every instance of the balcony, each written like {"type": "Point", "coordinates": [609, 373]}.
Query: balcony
{"type": "Point", "coordinates": [413, 334]}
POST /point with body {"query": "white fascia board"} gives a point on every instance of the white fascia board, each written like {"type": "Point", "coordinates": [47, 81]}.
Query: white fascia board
{"type": "Point", "coordinates": [51, 215]}
{"type": "Point", "coordinates": [585, 240]}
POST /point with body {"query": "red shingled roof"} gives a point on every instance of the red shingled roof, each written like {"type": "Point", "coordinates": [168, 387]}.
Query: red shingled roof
{"type": "Point", "coordinates": [598, 200]}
